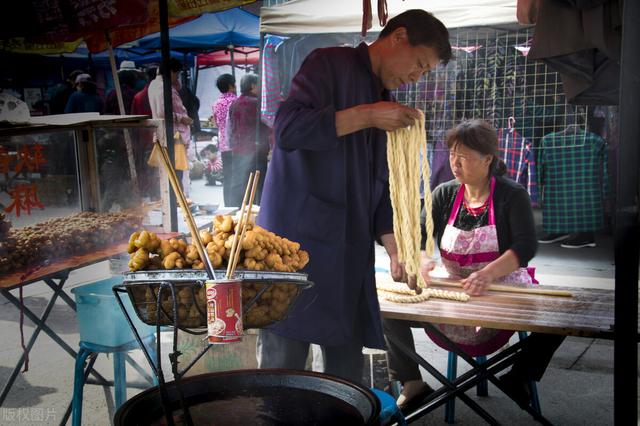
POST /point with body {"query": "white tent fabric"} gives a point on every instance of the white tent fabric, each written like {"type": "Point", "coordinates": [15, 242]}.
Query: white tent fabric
{"type": "Point", "coordinates": [345, 16]}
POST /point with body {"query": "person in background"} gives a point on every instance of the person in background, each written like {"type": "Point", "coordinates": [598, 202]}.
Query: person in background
{"type": "Point", "coordinates": [483, 226]}
{"type": "Point", "coordinates": [62, 92]}
{"type": "Point", "coordinates": [86, 98]}
{"type": "Point", "coordinates": [128, 75]}
{"type": "Point", "coordinates": [181, 120]}
{"type": "Point", "coordinates": [140, 102]}
{"type": "Point", "coordinates": [327, 188]}
{"type": "Point", "coordinates": [142, 149]}
{"type": "Point", "coordinates": [250, 150]}
{"type": "Point", "coordinates": [226, 84]}
{"type": "Point", "coordinates": [212, 164]}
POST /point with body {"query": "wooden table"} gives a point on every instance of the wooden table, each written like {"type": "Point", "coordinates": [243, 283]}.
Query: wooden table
{"type": "Point", "coordinates": [588, 313]}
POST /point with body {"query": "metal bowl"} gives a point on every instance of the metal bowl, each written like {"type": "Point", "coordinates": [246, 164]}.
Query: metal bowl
{"type": "Point", "coordinates": [267, 297]}
{"type": "Point", "coordinates": [255, 397]}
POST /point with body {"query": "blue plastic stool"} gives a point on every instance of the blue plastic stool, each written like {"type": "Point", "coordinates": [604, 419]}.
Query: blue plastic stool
{"type": "Point", "coordinates": [104, 329]}
{"type": "Point", "coordinates": [389, 412]}
{"type": "Point", "coordinates": [482, 388]}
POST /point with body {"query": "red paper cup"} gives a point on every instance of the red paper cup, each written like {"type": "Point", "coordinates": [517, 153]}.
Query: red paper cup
{"type": "Point", "coordinates": [224, 311]}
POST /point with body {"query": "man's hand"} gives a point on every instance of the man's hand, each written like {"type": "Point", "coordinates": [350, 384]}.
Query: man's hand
{"type": "Point", "coordinates": [383, 115]}
{"type": "Point", "coordinates": [186, 120]}
{"type": "Point", "coordinates": [391, 115]}
{"type": "Point", "coordinates": [398, 272]}
{"type": "Point", "coordinates": [477, 283]}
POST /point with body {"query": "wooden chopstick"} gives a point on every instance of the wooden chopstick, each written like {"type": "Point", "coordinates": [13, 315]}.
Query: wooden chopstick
{"type": "Point", "coordinates": [235, 241]}
{"type": "Point", "coordinates": [505, 288]}
{"type": "Point", "coordinates": [254, 186]}
{"type": "Point", "coordinates": [188, 218]}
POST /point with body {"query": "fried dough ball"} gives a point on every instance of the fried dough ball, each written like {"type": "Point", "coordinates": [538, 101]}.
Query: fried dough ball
{"type": "Point", "coordinates": [205, 236]}
{"type": "Point", "coordinates": [173, 261]}
{"type": "Point", "coordinates": [132, 246]}
{"type": "Point", "coordinates": [139, 260]}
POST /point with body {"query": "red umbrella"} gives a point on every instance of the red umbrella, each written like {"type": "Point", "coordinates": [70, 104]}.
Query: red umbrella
{"type": "Point", "coordinates": [242, 56]}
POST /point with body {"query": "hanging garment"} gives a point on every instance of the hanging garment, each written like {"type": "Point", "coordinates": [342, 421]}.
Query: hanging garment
{"type": "Point", "coordinates": [517, 153]}
{"type": "Point", "coordinates": [271, 87]}
{"type": "Point", "coordinates": [573, 181]}
{"type": "Point", "coordinates": [464, 252]}
{"type": "Point", "coordinates": [583, 45]}
{"type": "Point", "coordinates": [438, 155]}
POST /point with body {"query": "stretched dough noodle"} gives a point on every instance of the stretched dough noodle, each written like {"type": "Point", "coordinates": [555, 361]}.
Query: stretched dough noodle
{"type": "Point", "coordinates": [404, 147]}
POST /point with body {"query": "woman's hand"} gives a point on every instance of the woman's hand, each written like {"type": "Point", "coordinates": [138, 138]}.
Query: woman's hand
{"type": "Point", "coordinates": [186, 120]}
{"type": "Point", "coordinates": [477, 283]}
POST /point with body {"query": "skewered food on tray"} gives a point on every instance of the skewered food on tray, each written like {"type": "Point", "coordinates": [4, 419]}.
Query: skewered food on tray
{"type": "Point", "coordinates": [262, 250]}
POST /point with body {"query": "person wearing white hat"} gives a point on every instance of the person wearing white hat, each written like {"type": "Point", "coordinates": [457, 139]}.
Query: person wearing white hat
{"type": "Point", "coordinates": [127, 65]}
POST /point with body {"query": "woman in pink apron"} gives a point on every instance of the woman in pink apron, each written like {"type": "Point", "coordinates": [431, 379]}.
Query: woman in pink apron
{"type": "Point", "coordinates": [484, 228]}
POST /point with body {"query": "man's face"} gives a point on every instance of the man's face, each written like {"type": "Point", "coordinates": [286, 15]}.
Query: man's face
{"type": "Point", "coordinates": [406, 63]}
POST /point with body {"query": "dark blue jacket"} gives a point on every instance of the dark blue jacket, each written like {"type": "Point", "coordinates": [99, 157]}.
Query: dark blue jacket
{"type": "Point", "coordinates": [331, 194]}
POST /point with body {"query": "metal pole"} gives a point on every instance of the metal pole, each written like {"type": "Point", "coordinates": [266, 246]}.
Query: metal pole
{"type": "Point", "coordinates": [168, 103]}
{"type": "Point", "coordinates": [627, 230]}
{"type": "Point", "coordinates": [233, 65]}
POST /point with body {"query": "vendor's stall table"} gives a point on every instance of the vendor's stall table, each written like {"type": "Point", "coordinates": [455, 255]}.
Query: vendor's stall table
{"type": "Point", "coordinates": [588, 313]}
{"type": "Point", "coordinates": [55, 276]}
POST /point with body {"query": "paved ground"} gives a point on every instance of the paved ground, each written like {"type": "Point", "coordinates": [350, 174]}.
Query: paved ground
{"type": "Point", "coordinates": [577, 389]}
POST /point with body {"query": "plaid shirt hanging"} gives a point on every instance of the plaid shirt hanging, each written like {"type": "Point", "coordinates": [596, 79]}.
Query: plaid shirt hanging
{"type": "Point", "coordinates": [517, 153]}
{"type": "Point", "coordinates": [573, 181]}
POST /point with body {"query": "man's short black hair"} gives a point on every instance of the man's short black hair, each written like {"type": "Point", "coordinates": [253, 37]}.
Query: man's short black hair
{"type": "Point", "coordinates": [422, 29]}
{"type": "Point", "coordinates": [224, 82]}
{"type": "Point", "coordinates": [174, 66]}
{"type": "Point", "coordinates": [247, 82]}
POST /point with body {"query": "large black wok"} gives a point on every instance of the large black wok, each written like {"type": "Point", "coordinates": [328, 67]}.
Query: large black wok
{"type": "Point", "coordinates": [257, 397]}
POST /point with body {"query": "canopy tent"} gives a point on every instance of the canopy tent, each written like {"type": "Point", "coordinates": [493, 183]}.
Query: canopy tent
{"type": "Point", "coordinates": [101, 60]}
{"type": "Point", "coordinates": [339, 16]}
{"type": "Point", "coordinates": [231, 27]}
{"type": "Point", "coordinates": [242, 57]}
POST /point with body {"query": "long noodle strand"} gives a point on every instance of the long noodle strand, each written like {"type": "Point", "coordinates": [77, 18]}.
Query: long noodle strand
{"type": "Point", "coordinates": [404, 147]}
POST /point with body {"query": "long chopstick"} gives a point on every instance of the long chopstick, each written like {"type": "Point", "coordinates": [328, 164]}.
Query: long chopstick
{"type": "Point", "coordinates": [236, 234]}
{"type": "Point", "coordinates": [506, 288]}
{"type": "Point", "coordinates": [188, 218]}
{"type": "Point", "coordinates": [254, 186]}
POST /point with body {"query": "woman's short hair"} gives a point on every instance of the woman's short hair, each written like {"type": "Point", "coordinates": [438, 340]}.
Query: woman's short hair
{"type": "Point", "coordinates": [247, 82]}
{"type": "Point", "coordinates": [422, 29]}
{"type": "Point", "coordinates": [479, 136]}
{"type": "Point", "coordinates": [224, 82]}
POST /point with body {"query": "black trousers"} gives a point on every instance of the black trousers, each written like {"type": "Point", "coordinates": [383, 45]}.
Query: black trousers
{"type": "Point", "coordinates": [530, 363]}
{"type": "Point", "coordinates": [227, 173]}
{"type": "Point", "coordinates": [275, 351]}
{"type": "Point", "coordinates": [243, 165]}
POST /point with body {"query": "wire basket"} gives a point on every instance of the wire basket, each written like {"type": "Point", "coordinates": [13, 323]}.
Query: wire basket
{"type": "Point", "coordinates": [267, 297]}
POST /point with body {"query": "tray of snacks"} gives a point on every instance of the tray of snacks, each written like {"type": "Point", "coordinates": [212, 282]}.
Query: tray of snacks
{"type": "Point", "coordinates": [268, 267]}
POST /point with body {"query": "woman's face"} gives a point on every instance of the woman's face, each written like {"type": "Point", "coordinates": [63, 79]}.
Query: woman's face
{"type": "Point", "coordinates": [469, 166]}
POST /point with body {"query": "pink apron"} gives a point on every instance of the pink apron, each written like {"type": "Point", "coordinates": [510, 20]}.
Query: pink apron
{"type": "Point", "coordinates": [462, 253]}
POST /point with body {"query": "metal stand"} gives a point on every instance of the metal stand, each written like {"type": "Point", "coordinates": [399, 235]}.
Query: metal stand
{"type": "Point", "coordinates": [466, 381]}
{"type": "Point", "coordinates": [171, 319]}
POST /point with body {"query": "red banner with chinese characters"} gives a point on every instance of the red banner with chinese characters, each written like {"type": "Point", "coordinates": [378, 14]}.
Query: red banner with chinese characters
{"type": "Point", "coordinates": [17, 165]}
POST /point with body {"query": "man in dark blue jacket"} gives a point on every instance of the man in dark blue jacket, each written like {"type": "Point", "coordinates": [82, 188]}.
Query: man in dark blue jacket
{"type": "Point", "coordinates": [327, 188]}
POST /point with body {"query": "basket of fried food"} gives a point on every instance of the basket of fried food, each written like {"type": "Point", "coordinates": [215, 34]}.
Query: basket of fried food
{"type": "Point", "coordinates": [166, 278]}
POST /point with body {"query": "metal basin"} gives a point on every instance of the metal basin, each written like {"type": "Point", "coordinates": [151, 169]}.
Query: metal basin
{"type": "Point", "coordinates": [256, 397]}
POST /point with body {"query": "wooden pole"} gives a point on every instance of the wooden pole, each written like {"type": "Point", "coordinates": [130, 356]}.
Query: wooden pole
{"type": "Point", "coordinates": [505, 288]}
{"type": "Point", "coordinates": [127, 135]}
